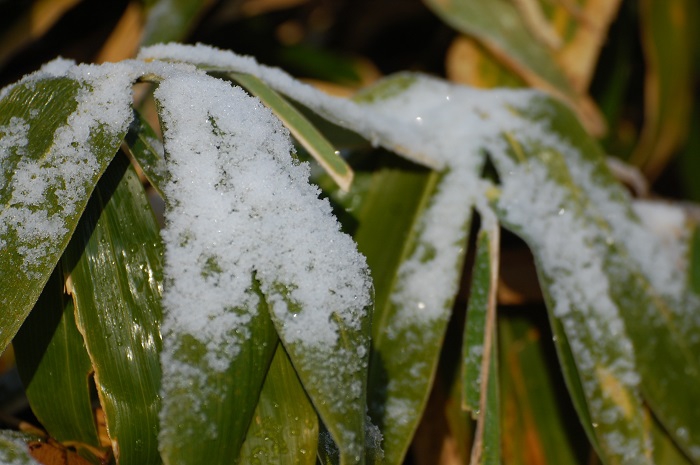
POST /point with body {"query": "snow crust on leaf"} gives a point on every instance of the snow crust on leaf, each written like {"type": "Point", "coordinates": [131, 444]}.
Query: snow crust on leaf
{"type": "Point", "coordinates": [35, 223]}
{"type": "Point", "coordinates": [14, 449]}
{"type": "Point", "coordinates": [240, 207]}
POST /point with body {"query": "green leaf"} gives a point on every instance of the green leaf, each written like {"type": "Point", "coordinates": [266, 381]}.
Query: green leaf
{"type": "Point", "coordinates": [198, 423]}
{"type": "Point", "coordinates": [49, 170]}
{"type": "Point", "coordinates": [481, 392]}
{"type": "Point", "coordinates": [401, 374]}
{"type": "Point", "coordinates": [335, 378]}
{"type": "Point", "coordinates": [301, 128]}
{"type": "Point", "coordinates": [143, 144]}
{"type": "Point", "coordinates": [284, 428]}
{"type": "Point", "coordinates": [115, 266]}
{"type": "Point", "coordinates": [611, 283]}
{"type": "Point", "coordinates": [475, 332]}
{"type": "Point", "coordinates": [14, 449]}
{"type": "Point", "coordinates": [53, 364]}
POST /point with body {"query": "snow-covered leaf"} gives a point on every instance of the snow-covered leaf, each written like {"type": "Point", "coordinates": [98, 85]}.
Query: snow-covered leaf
{"type": "Point", "coordinates": [240, 211]}
{"type": "Point", "coordinates": [300, 127]}
{"type": "Point", "coordinates": [59, 128]}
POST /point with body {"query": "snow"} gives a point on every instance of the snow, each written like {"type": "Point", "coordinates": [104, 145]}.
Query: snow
{"type": "Point", "coordinates": [240, 210]}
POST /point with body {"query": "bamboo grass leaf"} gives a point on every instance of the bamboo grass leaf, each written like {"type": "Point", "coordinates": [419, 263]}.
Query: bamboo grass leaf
{"type": "Point", "coordinates": [53, 364]}
{"type": "Point", "coordinates": [59, 128]}
{"type": "Point", "coordinates": [481, 391]}
{"type": "Point", "coordinates": [115, 266]}
{"type": "Point", "coordinates": [300, 127]}
{"type": "Point", "coordinates": [594, 328]}
{"type": "Point", "coordinates": [480, 311]}
{"type": "Point", "coordinates": [641, 285]}
{"type": "Point", "coordinates": [284, 428]}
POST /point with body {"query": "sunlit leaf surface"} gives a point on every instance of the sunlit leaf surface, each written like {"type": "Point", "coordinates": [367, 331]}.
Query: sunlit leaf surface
{"type": "Point", "coordinates": [115, 266]}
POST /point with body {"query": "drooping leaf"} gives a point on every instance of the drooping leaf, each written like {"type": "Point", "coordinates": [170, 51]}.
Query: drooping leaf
{"type": "Point", "coordinates": [307, 135]}
{"type": "Point", "coordinates": [480, 312]}
{"type": "Point", "coordinates": [262, 219]}
{"type": "Point", "coordinates": [57, 135]}
{"type": "Point", "coordinates": [284, 428]}
{"type": "Point", "coordinates": [647, 281]}
{"type": "Point", "coordinates": [576, 193]}
{"type": "Point", "coordinates": [114, 262]}
{"type": "Point", "coordinates": [53, 364]}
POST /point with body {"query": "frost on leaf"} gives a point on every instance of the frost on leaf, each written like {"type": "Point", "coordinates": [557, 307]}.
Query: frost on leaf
{"type": "Point", "coordinates": [240, 208]}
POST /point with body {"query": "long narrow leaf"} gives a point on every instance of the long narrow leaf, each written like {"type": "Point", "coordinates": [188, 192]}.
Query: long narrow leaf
{"type": "Point", "coordinates": [114, 262]}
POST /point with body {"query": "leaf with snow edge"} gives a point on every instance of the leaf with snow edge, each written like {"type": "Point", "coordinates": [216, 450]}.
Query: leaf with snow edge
{"type": "Point", "coordinates": [300, 127]}
{"type": "Point", "coordinates": [537, 421]}
{"type": "Point", "coordinates": [57, 136]}
{"type": "Point", "coordinates": [206, 410]}
{"type": "Point", "coordinates": [14, 449]}
{"type": "Point", "coordinates": [648, 276]}
{"type": "Point", "coordinates": [541, 202]}
{"type": "Point", "coordinates": [143, 144]}
{"type": "Point", "coordinates": [328, 453]}
{"type": "Point", "coordinates": [115, 265]}
{"type": "Point", "coordinates": [284, 428]}
{"type": "Point", "coordinates": [334, 374]}
{"type": "Point", "coordinates": [238, 205]}
{"type": "Point", "coordinates": [53, 364]}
